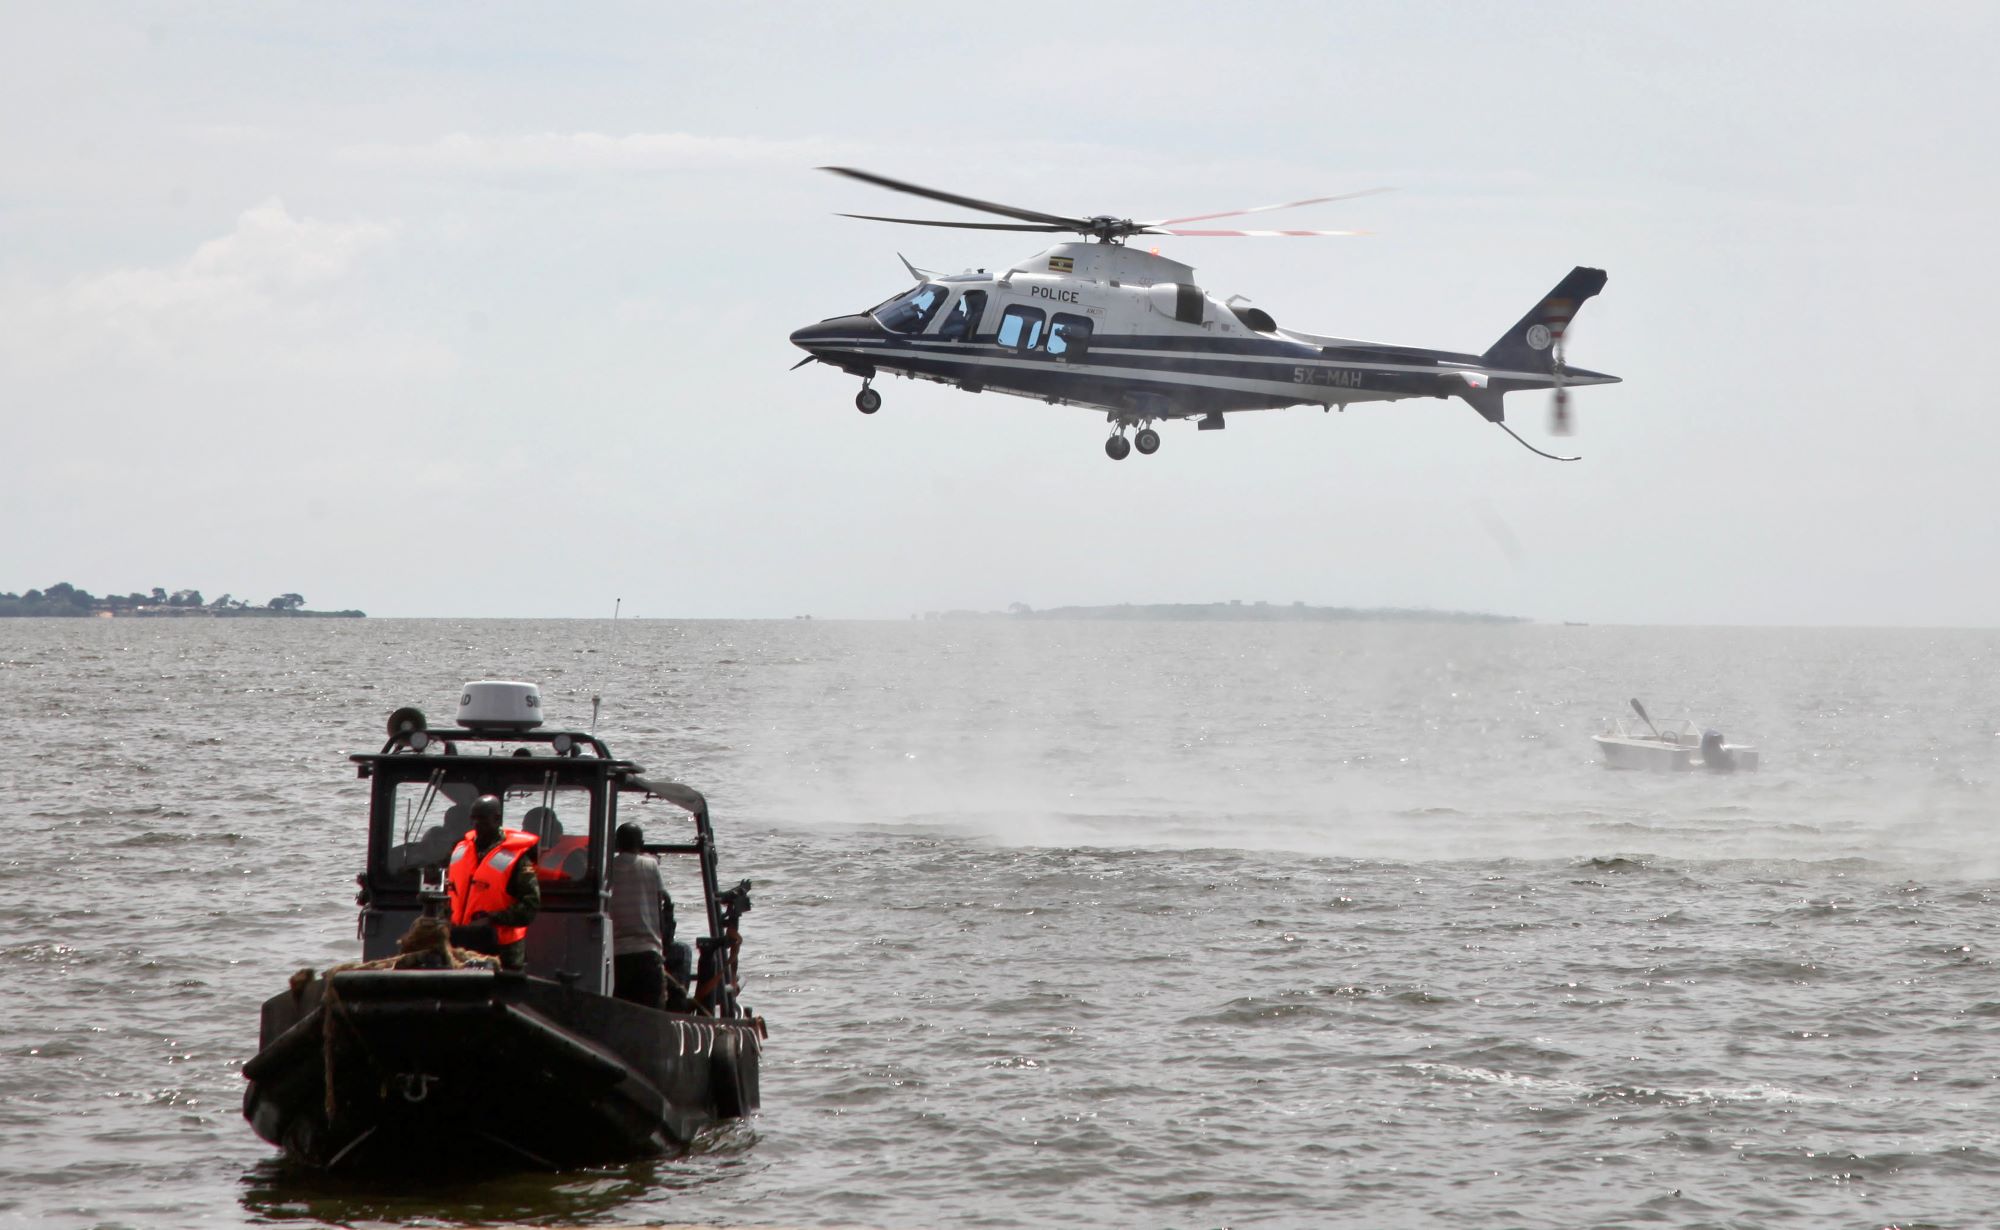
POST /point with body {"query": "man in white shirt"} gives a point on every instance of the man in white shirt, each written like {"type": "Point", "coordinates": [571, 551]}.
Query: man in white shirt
{"type": "Point", "coordinates": [642, 921]}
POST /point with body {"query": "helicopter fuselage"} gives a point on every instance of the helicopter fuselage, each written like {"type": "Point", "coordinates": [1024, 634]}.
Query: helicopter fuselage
{"type": "Point", "coordinates": [1128, 332]}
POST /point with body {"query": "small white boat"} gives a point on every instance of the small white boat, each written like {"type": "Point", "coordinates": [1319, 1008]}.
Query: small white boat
{"type": "Point", "coordinates": [1672, 746]}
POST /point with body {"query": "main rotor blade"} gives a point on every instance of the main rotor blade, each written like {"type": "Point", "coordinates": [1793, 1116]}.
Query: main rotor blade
{"type": "Point", "coordinates": [1264, 209]}
{"type": "Point", "coordinates": [969, 226]}
{"type": "Point", "coordinates": [1051, 221]}
{"type": "Point", "coordinates": [1201, 234]}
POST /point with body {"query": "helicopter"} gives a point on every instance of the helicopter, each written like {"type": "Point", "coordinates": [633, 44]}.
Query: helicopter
{"type": "Point", "coordinates": [1099, 323]}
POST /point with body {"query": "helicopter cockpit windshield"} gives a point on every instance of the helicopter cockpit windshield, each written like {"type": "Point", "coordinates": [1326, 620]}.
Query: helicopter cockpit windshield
{"type": "Point", "coordinates": [910, 311]}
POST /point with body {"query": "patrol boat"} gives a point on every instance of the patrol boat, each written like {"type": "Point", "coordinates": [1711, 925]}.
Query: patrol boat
{"type": "Point", "coordinates": [416, 1057]}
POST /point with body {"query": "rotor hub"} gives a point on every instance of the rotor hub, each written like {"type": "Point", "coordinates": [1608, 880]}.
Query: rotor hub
{"type": "Point", "coordinates": [1107, 229]}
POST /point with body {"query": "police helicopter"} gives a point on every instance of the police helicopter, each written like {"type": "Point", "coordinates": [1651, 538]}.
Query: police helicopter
{"type": "Point", "coordinates": [1099, 323]}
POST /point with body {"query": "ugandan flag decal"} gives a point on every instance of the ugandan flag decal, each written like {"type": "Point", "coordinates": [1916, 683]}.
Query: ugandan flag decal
{"type": "Point", "coordinates": [1061, 264]}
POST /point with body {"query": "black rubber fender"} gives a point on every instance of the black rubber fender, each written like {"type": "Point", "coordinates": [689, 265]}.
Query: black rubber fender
{"type": "Point", "coordinates": [725, 1083]}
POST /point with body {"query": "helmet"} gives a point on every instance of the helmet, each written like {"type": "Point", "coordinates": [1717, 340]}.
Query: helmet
{"type": "Point", "coordinates": [487, 805]}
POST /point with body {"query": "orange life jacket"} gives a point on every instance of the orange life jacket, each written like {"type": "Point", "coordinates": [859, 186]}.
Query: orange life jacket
{"type": "Point", "coordinates": [549, 865]}
{"type": "Point", "coordinates": [484, 887]}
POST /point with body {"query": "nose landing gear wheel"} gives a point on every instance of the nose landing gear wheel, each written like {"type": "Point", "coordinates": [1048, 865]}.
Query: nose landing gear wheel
{"type": "Point", "coordinates": [868, 401]}
{"type": "Point", "coordinates": [1147, 441]}
{"type": "Point", "coordinates": [1117, 448]}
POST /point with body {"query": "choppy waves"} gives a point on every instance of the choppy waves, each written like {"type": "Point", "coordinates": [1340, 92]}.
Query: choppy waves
{"type": "Point", "coordinates": [1177, 926]}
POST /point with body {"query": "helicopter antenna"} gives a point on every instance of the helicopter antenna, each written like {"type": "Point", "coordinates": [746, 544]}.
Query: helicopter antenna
{"type": "Point", "coordinates": [1531, 448]}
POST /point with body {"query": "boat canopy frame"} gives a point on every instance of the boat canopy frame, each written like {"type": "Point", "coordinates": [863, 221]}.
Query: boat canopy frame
{"type": "Point", "coordinates": [573, 758]}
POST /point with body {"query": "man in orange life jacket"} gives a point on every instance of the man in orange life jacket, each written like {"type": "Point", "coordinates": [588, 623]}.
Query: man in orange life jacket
{"type": "Point", "coordinates": [493, 888]}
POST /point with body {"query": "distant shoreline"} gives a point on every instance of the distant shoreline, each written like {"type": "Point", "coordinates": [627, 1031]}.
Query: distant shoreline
{"type": "Point", "coordinates": [65, 601]}
{"type": "Point", "coordinates": [1235, 612]}
{"type": "Point", "coordinates": [251, 612]}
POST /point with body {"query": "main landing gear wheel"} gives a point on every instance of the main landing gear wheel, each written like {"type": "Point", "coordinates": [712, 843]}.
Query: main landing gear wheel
{"type": "Point", "coordinates": [1117, 448]}
{"type": "Point", "coordinates": [868, 401]}
{"type": "Point", "coordinates": [1147, 441]}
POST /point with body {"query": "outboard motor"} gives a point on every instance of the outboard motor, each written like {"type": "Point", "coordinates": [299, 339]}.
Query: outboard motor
{"type": "Point", "coordinates": [1713, 757]}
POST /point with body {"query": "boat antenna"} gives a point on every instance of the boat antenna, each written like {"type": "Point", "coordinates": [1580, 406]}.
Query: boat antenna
{"type": "Point", "coordinates": [597, 698]}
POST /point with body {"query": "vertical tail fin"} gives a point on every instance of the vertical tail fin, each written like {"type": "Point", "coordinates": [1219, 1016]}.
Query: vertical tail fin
{"type": "Point", "coordinates": [1530, 345]}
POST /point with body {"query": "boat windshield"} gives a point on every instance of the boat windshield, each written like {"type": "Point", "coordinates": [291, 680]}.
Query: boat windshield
{"type": "Point", "coordinates": [432, 817]}
{"type": "Point", "coordinates": [1661, 730]}
{"type": "Point", "coordinates": [911, 311]}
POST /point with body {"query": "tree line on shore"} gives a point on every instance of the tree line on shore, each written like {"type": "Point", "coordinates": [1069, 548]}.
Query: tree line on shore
{"type": "Point", "coordinates": [63, 599]}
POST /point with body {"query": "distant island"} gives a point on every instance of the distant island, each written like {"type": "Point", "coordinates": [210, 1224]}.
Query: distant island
{"type": "Point", "coordinates": [1247, 612]}
{"type": "Point", "coordinates": [66, 600]}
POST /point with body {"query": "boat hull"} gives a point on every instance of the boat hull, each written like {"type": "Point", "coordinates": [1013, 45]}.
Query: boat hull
{"type": "Point", "coordinates": [1658, 756]}
{"type": "Point", "coordinates": [450, 1068]}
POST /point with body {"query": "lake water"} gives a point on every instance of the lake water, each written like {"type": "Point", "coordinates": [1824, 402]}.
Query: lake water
{"type": "Point", "coordinates": [1081, 923]}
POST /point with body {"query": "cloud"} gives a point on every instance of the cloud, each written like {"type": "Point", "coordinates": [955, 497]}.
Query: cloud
{"type": "Point", "coordinates": [268, 293]}
{"type": "Point", "coordinates": [269, 254]}
{"type": "Point", "coordinates": [574, 152]}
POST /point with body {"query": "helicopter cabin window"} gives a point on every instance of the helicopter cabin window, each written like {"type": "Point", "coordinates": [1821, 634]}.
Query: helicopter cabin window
{"type": "Point", "coordinates": [911, 311]}
{"type": "Point", "coordinates": [432, 817]}
{"type": "Point", "coordinates": [1021, 328]}
{"type": "Point", "coordinates": [1068, 335]}
{"type": "Point", "coordinates": [962, 325]}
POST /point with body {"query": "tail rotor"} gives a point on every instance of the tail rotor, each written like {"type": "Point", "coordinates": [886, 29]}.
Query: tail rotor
{"type": "Point", "coordinates": [1561, 311]}
{"type": "Point", "coordinates": [1559, 424]}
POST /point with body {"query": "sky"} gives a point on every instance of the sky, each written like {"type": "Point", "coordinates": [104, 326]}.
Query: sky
{"type": "Point", "coordinates": [482, 309]}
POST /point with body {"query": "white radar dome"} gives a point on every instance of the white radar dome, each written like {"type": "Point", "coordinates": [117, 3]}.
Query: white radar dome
{"type": "Point", "coordinates": [499, 704]}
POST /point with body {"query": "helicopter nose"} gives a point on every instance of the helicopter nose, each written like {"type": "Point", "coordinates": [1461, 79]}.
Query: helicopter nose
{"type": "Point", "coordinates": [837, 331]}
